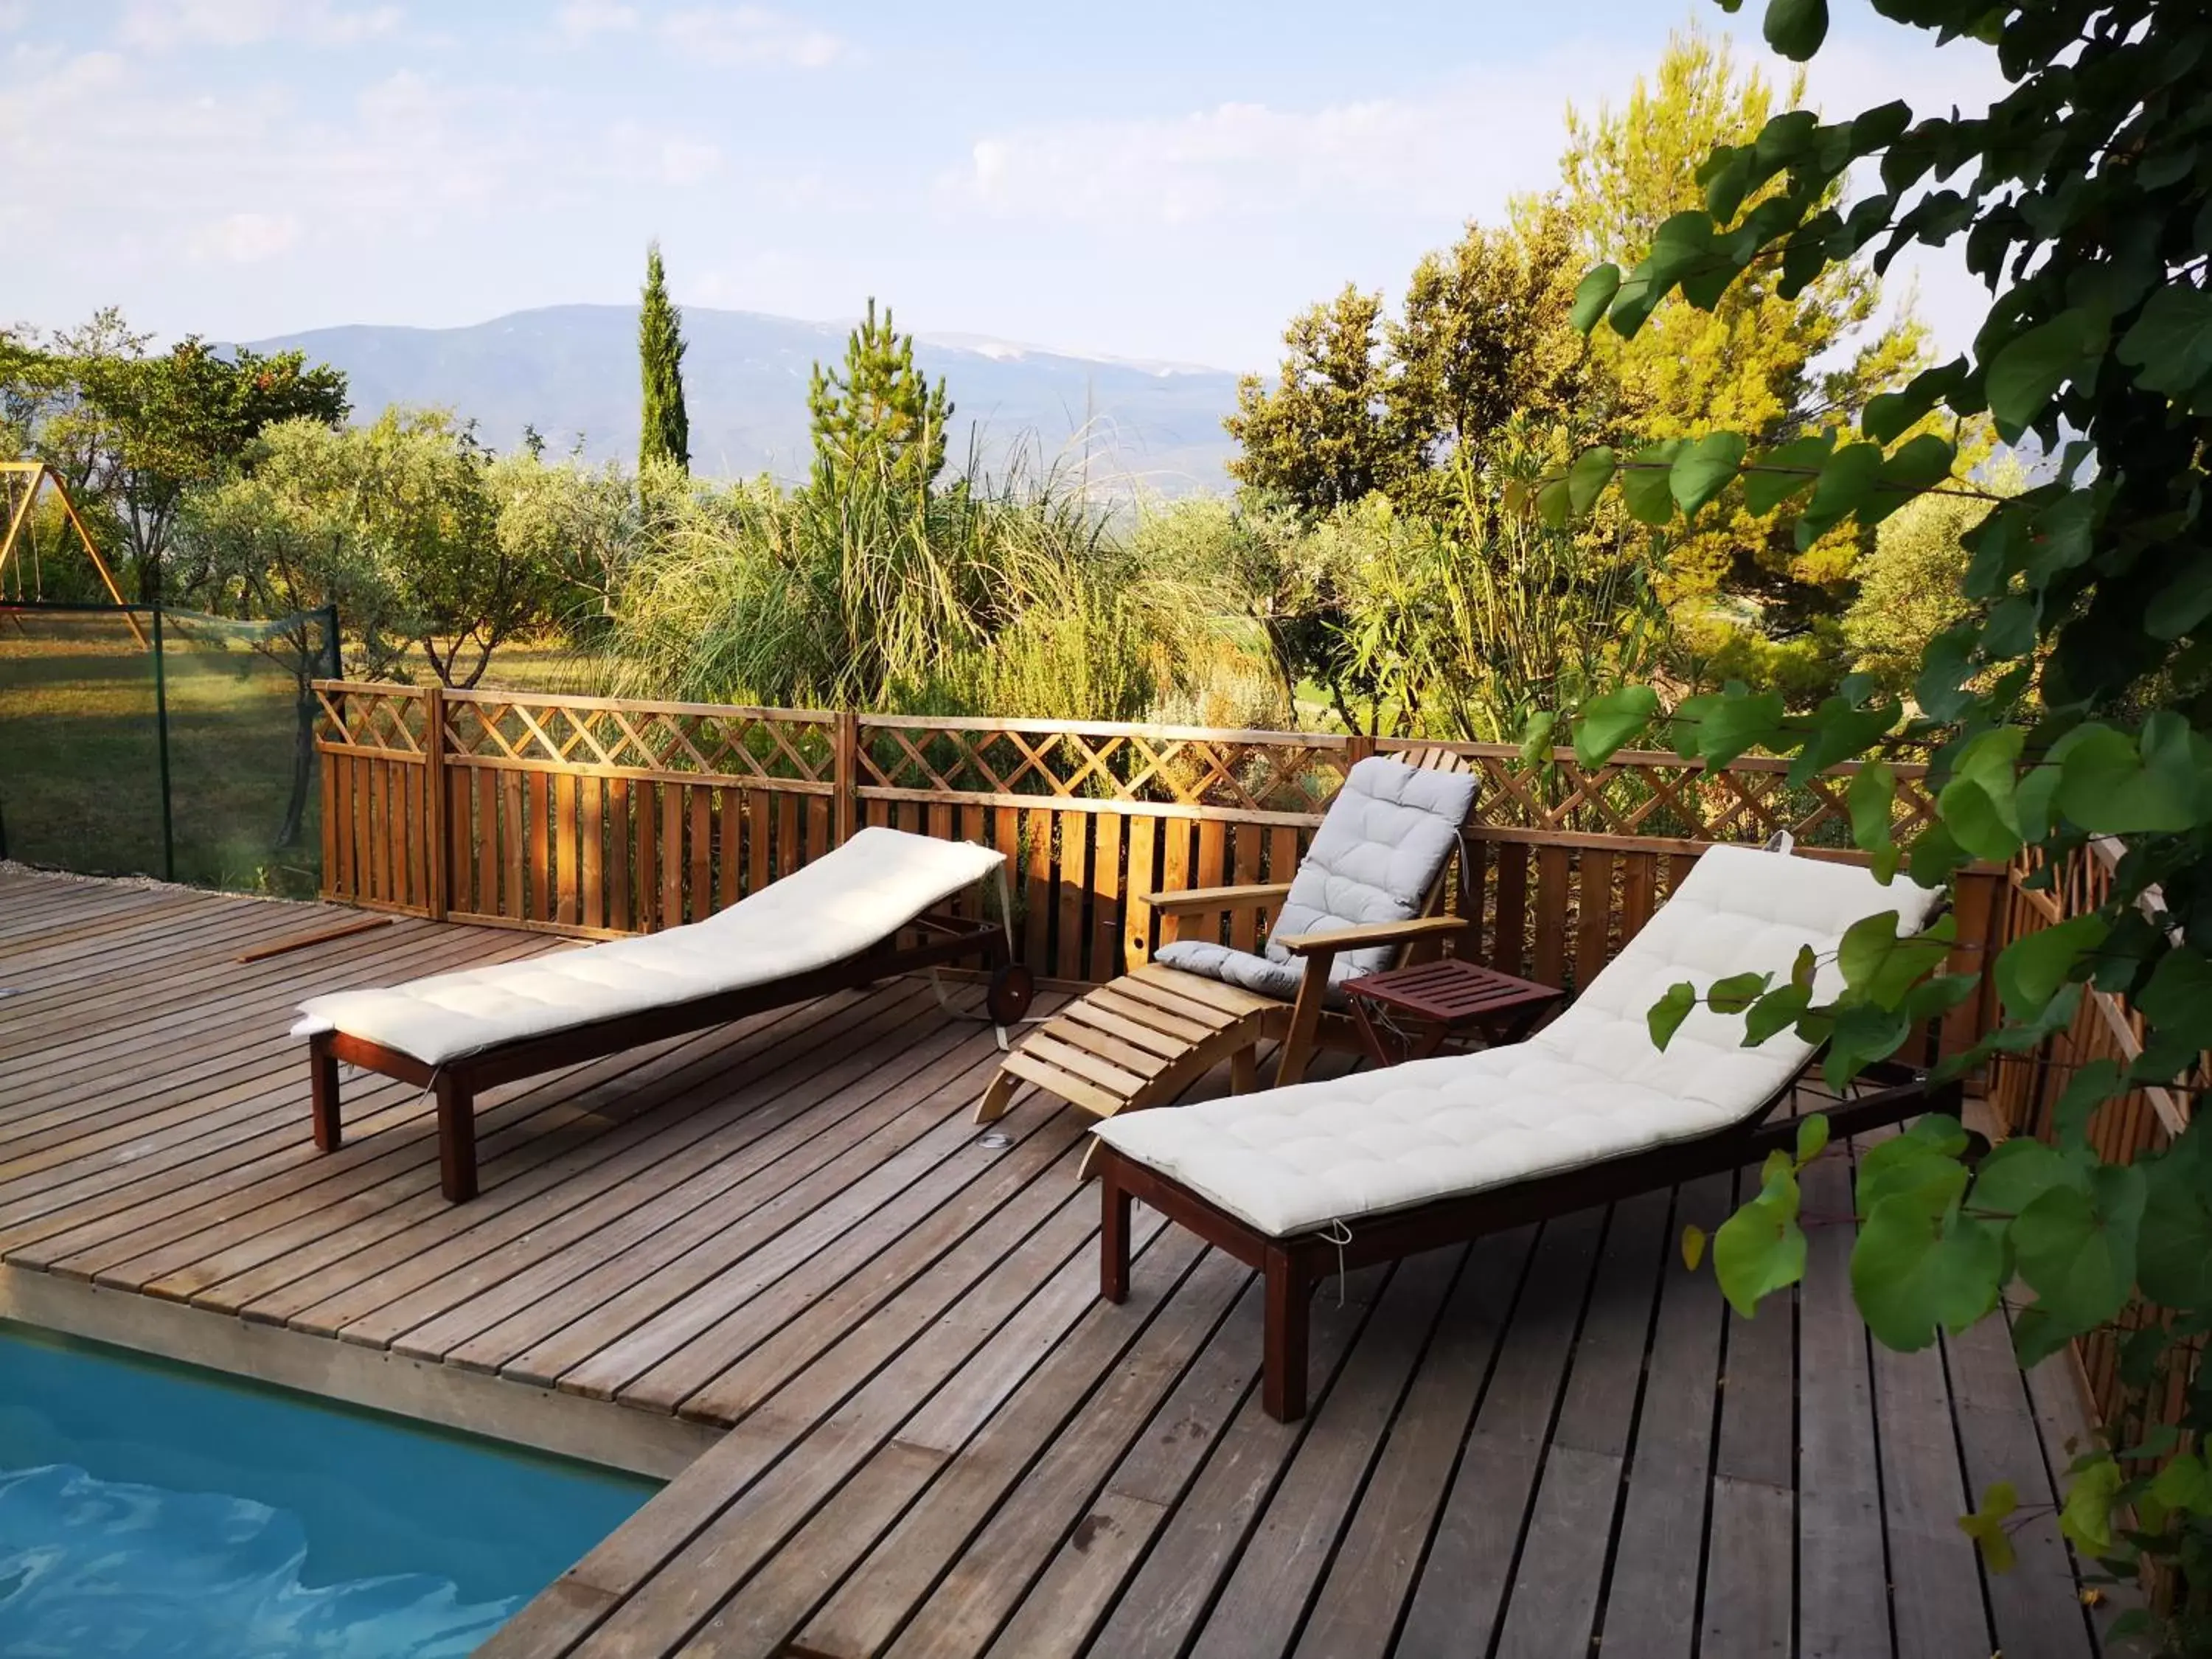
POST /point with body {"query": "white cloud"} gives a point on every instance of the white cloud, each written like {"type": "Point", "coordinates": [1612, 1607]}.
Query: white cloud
{"type": "Point", "coordinates": [1463, 147]}
{"type": "Point", "coordinates": [581, 21]}
{"type": "Point", "coordinates": [245, 238]}
{"type": "Point", "coordinates": [746, 35]}
{"type": "Point", "coordinates": [159, 25]}
{"type": "Point", "coordinates": [1460, 150]}
{"type": "Point", "coordinates": [14, 14]}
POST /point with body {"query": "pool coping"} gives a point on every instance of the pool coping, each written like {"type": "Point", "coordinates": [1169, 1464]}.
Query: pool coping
{"type": "Point", "coordinates": [650, 1444]}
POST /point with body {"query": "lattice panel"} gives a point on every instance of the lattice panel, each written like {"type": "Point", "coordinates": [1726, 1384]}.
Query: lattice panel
{"type": "Point", "coordinates": [1660, 797]}
{"type": "Point", "coordinates": [386, 717]}
{"type": "Point", "coordinates": [742, 744]}
{"type": "Point", "coordinates": [1285, 775]}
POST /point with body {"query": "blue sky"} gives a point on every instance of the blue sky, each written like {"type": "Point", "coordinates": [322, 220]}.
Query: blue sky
{"type": "Point", "coordinates": [1159, 180]}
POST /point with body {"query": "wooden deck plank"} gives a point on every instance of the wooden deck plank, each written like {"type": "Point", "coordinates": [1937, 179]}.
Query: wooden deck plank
{"type": "Point", "coordinates": [1169, 1597]}
{"type": "Point", "coordinates": [1460, 1596]}
{"type": "Point", "coordinates": [2037, 1606]}
{"type": "Point", "coordinates": [1262, 1605]}
{"type": "Point", "coordinates": [1555, 1602]}
{"type": "Point", "coordinates": [942, 1575]}
{"type": "Point", "coordinates": [1843, 1603]}
{"type": "Point", "coordinates": [1651, 1603]}
{"type": "Point", "coordinates": [1358, 1606]}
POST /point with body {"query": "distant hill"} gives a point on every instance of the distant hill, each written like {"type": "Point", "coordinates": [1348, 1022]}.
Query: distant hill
{"type": "Point", "coordinates": [571, 370]}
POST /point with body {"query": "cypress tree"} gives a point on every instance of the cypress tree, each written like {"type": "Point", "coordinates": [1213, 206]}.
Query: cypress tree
{"type": "Point", "coordinates": [666, 436]}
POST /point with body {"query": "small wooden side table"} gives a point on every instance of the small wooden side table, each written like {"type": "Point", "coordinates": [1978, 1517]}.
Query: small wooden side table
{"type": "Point", "coordinates": [1405, 1013]}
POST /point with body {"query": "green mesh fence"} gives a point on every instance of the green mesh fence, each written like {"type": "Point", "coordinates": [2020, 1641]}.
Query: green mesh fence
{"type": "Point", "coordinates": [162, 743]}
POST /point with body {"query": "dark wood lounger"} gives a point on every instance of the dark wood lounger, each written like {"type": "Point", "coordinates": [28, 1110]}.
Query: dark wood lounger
{"type": "Point", "coordinates": [947, 939]}
{"type": "Point", "coordinates": [1294, 1266]}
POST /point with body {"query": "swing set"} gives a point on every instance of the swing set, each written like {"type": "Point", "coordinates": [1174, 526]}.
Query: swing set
{"type": "Point", "coordinates": [20, 484]}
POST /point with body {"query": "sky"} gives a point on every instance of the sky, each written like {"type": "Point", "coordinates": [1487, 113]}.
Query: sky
{"type": "Point", "coordinates": [1157, 181]}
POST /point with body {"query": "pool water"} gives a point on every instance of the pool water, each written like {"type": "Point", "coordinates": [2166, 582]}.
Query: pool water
{"type": "Point", "coordinates": [159, 1511]}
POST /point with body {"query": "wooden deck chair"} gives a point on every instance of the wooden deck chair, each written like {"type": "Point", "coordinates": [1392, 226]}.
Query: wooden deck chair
{"type": "Point", "coordinates": [1307, 1182]}
{"type": "Point", "coordinates": [1368, 892]}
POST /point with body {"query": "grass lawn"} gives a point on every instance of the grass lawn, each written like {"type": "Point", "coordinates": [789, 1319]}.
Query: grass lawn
{"type": "Point", "coordinates": [80, 758]}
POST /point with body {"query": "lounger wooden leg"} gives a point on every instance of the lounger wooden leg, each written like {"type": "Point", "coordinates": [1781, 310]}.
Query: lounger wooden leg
{"type": "Point", "coordinates": [1113, 1240]}
{"type": "Point", "coordinates": [997, 1098]}
{"type": "Point", "coordinates": [1283, 1374]}
{"type": "Point", "coordinates": [457, 1139]}
{"type": "Point", "coordinates": [323, 1084]}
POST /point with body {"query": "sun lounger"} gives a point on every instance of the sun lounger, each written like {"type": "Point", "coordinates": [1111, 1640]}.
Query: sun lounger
{"type": "Point", "coordinates": [1306, 1181]}
{"type": "Point", "coordinates": [832, 925]}
{"type": "Point", "coordinates": [1366, 892]}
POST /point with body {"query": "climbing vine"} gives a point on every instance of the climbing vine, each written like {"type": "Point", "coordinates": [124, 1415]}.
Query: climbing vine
{"type": "Point", "coordinates": [2073, 704]}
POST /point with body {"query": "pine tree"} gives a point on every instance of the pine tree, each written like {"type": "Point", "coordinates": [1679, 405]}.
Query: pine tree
{"type": "Point", "coordinates": [666, 434]}
{"type": "Point", "coordinates": [880, 414]}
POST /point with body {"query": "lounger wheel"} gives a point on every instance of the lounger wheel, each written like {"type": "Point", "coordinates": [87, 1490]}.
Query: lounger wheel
{"type": "Point", "coordinates": [1012, 989]}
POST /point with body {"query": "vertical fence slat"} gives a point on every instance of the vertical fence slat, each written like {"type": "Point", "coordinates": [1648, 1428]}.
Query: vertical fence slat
{"type": "Point", "coordinates": [538, 788]}
{"type": "Point", "coordinates": [513, 902]}
{"type": "Point", "coordinates": [1105, 958]}
{"type": "Point", "coordinates": [1075, 883]}
{"type": "Point", "coordinates": [1550, 959]}
{"type": "Point", "coordinates": [1594, 914]}
{"type": "Point", "coordinates": [672, 854]}
{"type": "Point", "coordinates": [1137, 929]}
{"type": "Point", "coordinates": [1243, 870]}
{"type": "Point", "coordinates": [340, 770]}
{"type": "Point", "coordinates": [568, 850]}
{"type": "Point", "coordinates": [788, 855]}
{"type": "Point", "coordinates": [622, 898]}
{"type": "Point", "coordinates": [702, 852]}
{"type": "Point", "coordinates": [756, 840]}
{"type": "Point", "coordinates": [645, 858]}
{"type": "Point", "coordinates": [729, 846]}
{"type": "Point", "coordinates": [591, 836]}
{"type": "Point", "coordinates": [1510, 949]}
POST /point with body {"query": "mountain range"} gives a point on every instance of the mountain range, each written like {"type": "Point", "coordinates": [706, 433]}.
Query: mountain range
{"type": "Point", "coordinates": [570, 372]}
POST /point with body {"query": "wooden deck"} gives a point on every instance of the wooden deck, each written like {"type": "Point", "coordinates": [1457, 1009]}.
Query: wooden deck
{"type": "Point", "coordinates": [938, 1442]}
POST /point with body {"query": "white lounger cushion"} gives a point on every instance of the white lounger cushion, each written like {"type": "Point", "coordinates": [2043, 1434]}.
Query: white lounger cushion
{"type": "Point", "coordinates": [1589, 1086]}
{"type": "Point", "coordinates": [836, 907]}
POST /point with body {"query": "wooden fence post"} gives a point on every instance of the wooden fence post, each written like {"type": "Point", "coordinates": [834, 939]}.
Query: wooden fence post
{"type": "Point", "coordinates": [845, 757]}
{"type": "Point", "coordinates": [436, 878]}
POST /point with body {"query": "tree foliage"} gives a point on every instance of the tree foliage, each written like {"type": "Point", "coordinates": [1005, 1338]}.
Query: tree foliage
{"type": "Point", "coordinates": [665, 428]}
{"type": "Point", "coordinates": [2070, 705]}
{"type": "Point", "coordinates": [878, 417]}
{"type": "Point", "coordinates": [132, 431]}
{"type": "Point", "coordinates": [1770, 362]}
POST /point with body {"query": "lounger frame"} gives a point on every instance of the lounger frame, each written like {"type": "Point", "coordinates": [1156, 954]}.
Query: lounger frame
{"type": "Point", "coordinates": [1293, 1266]}
{"type": "Point", "coordinates": [946, 938]}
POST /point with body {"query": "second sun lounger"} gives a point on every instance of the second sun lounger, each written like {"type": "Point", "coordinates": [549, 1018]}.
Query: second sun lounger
{"type": "Point", "coordinates": [1305, 1181]}
{"type": "Point", "coordinates": [833, 925]}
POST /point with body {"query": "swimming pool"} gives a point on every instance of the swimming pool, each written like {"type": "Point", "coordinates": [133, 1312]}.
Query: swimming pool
{"type": "Point", "coordinates": [148, 1509]}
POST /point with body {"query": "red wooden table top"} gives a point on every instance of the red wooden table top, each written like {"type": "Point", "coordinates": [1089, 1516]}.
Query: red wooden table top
{"type": "Point", "coordinates": [1451, 990]}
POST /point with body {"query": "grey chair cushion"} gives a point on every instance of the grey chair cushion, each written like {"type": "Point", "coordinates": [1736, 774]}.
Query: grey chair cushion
{"type": "Point", "coordinates": [1375, 858]}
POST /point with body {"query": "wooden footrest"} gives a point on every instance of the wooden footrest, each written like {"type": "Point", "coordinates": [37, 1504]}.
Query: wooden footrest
{"type": "Point", "coordinates": [1137, 1043]}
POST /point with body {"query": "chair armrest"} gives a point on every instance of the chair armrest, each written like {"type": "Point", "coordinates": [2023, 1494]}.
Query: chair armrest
{"type": "Point", "coordinates": [1370, 932]}
{"type": "Point", "coordinates": [1197, 900]}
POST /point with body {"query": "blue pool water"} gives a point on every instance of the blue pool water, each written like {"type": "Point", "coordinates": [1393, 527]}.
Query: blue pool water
{"type": "Point", "coordinates": [162, 1512]}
